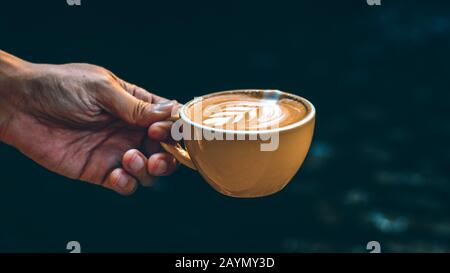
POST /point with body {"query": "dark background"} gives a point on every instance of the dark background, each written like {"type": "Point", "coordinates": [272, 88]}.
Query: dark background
{"type": "Point", "coordinates": [379, 165]}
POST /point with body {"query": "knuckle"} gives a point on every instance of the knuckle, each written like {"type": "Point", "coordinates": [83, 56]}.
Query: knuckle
{"type": "Point", "coordinates": [100, 83]}
{"type": "Point", "coordinates": [139, 112]}
{"type": "Point", "coordinates": [103, 79]}
{"type": "Point", "coordinates": [131, 88]}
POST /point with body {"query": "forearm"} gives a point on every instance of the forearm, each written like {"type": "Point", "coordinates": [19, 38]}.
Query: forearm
{"type": "Point", "coordinates": [11, 71]}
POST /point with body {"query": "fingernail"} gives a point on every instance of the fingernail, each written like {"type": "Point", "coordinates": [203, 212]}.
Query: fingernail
{"type": "Point", "coordinates": [136, 163]}
{"type": "Point", "coordinates": [161, 167]}
{"type": "Point", "coordinates": [164, 106]}
{"type": "Point", "coordinates": [122, 181]}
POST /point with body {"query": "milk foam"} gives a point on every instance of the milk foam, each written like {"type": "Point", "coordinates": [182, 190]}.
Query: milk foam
{"type": "Point", "coordinates": [245, 112]}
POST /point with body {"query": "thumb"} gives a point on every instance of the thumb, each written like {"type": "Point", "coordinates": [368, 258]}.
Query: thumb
{"type": "Point", "coordinates": [134, 111]}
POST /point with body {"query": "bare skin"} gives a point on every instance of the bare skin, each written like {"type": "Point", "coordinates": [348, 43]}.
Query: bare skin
{"type": "Point", "coordinates": [85, 123]}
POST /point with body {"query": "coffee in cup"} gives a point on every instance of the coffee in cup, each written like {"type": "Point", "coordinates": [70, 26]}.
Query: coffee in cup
{"type": "Point", "coordinates": [249, 111]}
{"type": "Point", "coordinates": [245, 143]}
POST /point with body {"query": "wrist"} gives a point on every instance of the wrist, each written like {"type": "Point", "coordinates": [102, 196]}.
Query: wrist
{"type": "Point", "coordinates": [12, 72]}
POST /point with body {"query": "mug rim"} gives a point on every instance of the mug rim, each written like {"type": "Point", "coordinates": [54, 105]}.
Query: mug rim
{"type": "Point", "coordinates": [309, 117]}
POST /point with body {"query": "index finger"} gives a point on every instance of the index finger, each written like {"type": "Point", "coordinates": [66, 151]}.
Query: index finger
{"type": "Point", "coordinates": [141, 93]}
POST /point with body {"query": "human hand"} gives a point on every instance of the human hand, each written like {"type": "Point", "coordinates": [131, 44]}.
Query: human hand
{"type": "Point", "coordinates": [83, 122]}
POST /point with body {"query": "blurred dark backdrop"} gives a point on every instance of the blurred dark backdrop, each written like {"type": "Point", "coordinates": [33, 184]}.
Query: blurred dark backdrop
{"type": "Point", "coordinates": [379, 165]}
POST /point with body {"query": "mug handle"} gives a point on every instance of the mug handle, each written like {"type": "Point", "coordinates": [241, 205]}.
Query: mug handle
{"type": "Point", "coordinates": [177, 150]}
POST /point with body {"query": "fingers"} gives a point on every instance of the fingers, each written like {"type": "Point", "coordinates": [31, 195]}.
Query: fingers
{"type": "Point", "coordinates": [146, 171]}
{"type": "Point", "coordinates": [146, 96]}
{"type": "Point", "coordinates": [161, 164]}
{"type": "Point", "coordinates": [121, 182]}
{"type": "Point", "coordinates": [141, 93]}
{"type": "Point", "coordinates": [136, 169]}
{"type": "Point", "coordinates": [151, 146]}
{"type": "Point", "coordinates": [160, 130]}
{"type": "Point", "coordinates": [133, 110]}
{"type": "Point", "coordinates": [134, 162]}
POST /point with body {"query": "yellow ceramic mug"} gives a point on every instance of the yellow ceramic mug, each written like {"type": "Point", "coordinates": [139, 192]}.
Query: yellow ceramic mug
{"type": "Point", "coordinates": [239, 168]}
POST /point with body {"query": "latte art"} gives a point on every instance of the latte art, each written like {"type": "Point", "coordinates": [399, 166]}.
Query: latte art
{"type": "Point", "coordinates": [246, 112]}
{"type": "Point", "coordinates": [252, 114]}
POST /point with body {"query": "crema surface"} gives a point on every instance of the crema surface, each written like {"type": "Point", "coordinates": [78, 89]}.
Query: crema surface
{"type": "Point", "coordinates": [246, 112]}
